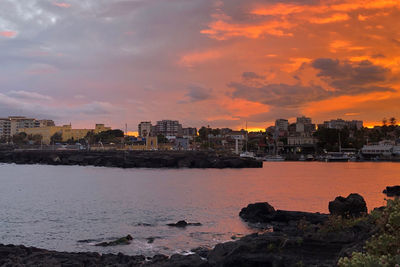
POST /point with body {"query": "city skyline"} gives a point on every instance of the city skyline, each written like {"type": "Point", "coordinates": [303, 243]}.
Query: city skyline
{"type": "Point", "coordinates": [118, 62]}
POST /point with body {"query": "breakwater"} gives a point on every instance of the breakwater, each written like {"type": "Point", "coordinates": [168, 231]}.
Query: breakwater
{"type": "Point", "coordinates": [128, 159]}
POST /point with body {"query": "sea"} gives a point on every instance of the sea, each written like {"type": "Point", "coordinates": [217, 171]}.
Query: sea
{"type": "Point", "coordinates": [72, 208]}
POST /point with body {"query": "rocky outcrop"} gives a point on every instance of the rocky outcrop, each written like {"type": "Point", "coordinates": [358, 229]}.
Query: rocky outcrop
{"type": "Point", "coordinates": [126, 240]}
{"type": "Point", "coordinates": [183, 224]}
{"type": "Point", "coordinates": [129, 159]}
{"type": "Point", "coordinates": [353, 205]}
{"type": "Point", "coordinates": [392, 191]}
{"type": "Point", "coordinates": [264, 213]}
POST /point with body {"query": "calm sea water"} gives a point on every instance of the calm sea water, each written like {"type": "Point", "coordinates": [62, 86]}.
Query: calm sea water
{"type": "Point", "coordinates": [54, 207]}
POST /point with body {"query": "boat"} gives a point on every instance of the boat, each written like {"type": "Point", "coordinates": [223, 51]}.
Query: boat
{"type": "Point", "coordinates": [337, 157]}
{"type": "Point", "coordinates": [310, 157]}
{"type": "Point", "coordinates": [247, 154]}
{"type": "Point", "coordinates": [274, 158]}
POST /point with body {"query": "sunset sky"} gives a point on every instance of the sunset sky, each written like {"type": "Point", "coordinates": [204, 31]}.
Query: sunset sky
{"type": "Point", "coordinates": [203, 62]}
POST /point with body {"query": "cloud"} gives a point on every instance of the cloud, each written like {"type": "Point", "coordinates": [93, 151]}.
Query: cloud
{"type": "Point", "coordinates": [198, 93]}
{"type": "Point", "coordinates": [345, 78]}
{"type": "Point", "coordinates": [279, 94]}
{"type": "Point", "coordinates": [29, 95]}
{"type": "Point", "coordinates": [192, 59]}
{"type": "Point", "coordinates": [62, 5]}
{"type": "Point", "coordinates": [8, 34]}
{"type": "Point", "coordinates": [352, 77]}
{"type": "Point", "coordinates": [252, 75]}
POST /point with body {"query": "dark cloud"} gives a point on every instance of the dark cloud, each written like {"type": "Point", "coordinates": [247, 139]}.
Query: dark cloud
{"type": "Point", "coordinates": [198, 93]}
{"type": "Point", "coordinates": [352, 77]}
{"type": "Point", "coordinates": [347, 78]}
{"type": "Point", "coordinates": [252, 75]}
{"type": "Point", "coordinates": [279, 94]}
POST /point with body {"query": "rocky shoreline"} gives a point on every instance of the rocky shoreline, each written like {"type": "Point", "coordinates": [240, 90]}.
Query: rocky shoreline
{"type": "Point", "coordinates": [129, 159]}
{"type": "Point", "coordinates": [297, 239]}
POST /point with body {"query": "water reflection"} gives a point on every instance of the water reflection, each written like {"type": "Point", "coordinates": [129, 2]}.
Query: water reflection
{"type": "Point", "coordinates": [55, 206]}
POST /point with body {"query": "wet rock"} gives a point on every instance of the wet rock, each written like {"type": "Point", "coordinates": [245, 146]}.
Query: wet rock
{"type": "Point", "coordinates": [126, 240]}
{"type": "Point", "coordinates": [201, 251]}
{"type": "Point", "coordinates": [353, 205]}
{"type": "Point", "coordinates": [392, 191]}
{"type": "Point", "coordinates": [257, 212]}
{"type": "Point", "coordinates": [183, 224]}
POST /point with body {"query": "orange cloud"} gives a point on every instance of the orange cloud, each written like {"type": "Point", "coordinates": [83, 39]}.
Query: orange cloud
{"type": "Point", "coordinates": [63, 5]}
{"type": "Point", "coordinates": [222, 30]}
{"type": "Point", "coordinates": [333, 18]}
{"type": "Point", "coordinates": [191, 59]}
{"type": "Point", "coordinates": [8, 34]}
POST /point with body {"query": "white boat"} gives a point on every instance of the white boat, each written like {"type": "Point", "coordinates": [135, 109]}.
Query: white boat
{"type": "Point", "coordinates": [247, 154]}
{"type": "Point", "coordinates": [337, 157]}
{"type": "Point", "coordinates": [274, 158]}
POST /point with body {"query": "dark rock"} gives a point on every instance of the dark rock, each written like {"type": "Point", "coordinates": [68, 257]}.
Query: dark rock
{"type": "Point", "coordinates": [183, 224]}
{"type": "Point", "coordinates": [179, 224]}
{"type": "Point", "coordinates": [392, 191]}
{"type": "Point", "coordinates": [126, 240]}
{"type": "Point", "coordinates": [201, 251]}
{"type": "Point", "coordinates": [257, 212]}
{"type": "Point", "coordinates": [354, 205]}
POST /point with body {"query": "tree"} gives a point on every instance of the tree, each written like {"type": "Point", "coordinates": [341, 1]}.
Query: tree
{"type": "Point", "coordinates": [35, 138]}
{"type": "Point", "coordinates": [56, 138]}
{"type": "Point", "coordinates": [20, 138]}
{"type": "Point", "coordinates": [106, 137]}
{"type": "Point", "coordinates": [393, 121]}
{"type": "Point", "coordinates": [384, 121]}
{"type": "Point", "coordinates": [161, 139]}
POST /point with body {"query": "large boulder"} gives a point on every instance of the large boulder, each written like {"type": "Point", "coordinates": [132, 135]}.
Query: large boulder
{"type": "Point", "coordinates": [392, 191]}
{"type": "Point", "coordinates": [352, 206]}
{"type": "Point", "coordinates": [257, 212]}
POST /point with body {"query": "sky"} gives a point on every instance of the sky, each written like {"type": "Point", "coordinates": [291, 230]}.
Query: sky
{"type": "Point", "coordinates": [202, 62]}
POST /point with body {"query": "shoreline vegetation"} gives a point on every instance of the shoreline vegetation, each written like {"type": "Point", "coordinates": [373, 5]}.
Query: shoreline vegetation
{"type": "Point", "coordinates": [347, 237]}
{"type": "Point", "coordinates": [129, 159]}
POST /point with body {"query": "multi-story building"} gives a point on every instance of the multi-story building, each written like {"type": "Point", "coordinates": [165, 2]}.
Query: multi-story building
{"type": "Point", "coordinates": [5, 128]}
{"type": "Point", "coordinates": [281, 125]}
{"type": "Point", "coordinates": [144, 128]}
{"type": "Point", "coordinates": [12, 125]}
{"type": "Point", "coordinates": [304, 126]}
{"type": "Point", "coordinates": [340, 124]}
{"type": "Point", "coordinates": [189, 131]}
{"type": "Point", "coordinates": [169, 128]}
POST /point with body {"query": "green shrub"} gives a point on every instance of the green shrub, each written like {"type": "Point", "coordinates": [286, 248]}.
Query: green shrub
{"type": "Point", "coordinates": [382, 249]}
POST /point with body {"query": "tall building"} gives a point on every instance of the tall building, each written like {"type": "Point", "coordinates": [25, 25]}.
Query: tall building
{"type": "Point", "coordinates": [304, 126]}
{"type": "Point", "coordinates": [169, 128]}
{"type": "Point", "coordinates": [144, 128]}
{"type": "Point", "coordinates": [189, 131]}
{"type": "Point", "coordinates": [281, 125]}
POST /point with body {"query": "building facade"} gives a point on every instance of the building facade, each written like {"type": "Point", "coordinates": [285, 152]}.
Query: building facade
{"type": "Point", "coordinates": [169, 128]}
{"type": "Point", "coordinates": [12, 125]}
{"type": "Point", "coordinates": [144, 128]}
{"type": "Point", "coordinates": [339, 124]}
{"type": "Point", "coordinates": [66, 131]}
